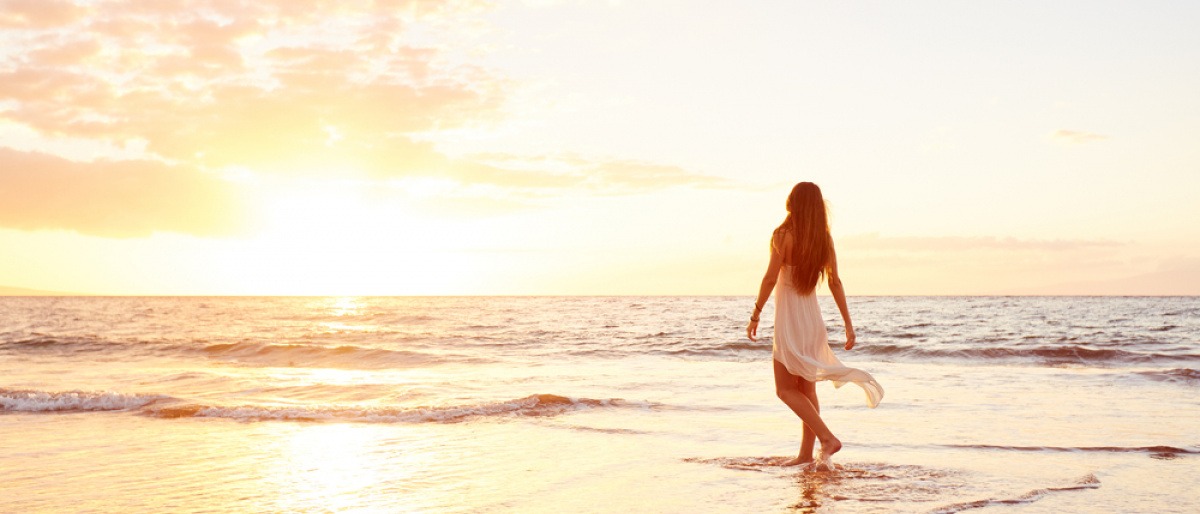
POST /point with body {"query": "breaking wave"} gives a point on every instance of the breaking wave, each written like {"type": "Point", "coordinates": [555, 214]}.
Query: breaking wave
{"type": "Point", "coordinates": [540, 405]}
{"type": "Point", "coordinates": [160, 406]}
{"type": "Point", "coordinates": [18, 400]}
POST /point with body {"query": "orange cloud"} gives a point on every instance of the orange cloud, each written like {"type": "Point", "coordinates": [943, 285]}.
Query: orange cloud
{"type": "Point", "coordinates": [256, 84]}
{"type": "Point", "coordinates": [67, 54]}
{"type": "Point", "coordinates": [38, 13]}
{"type": "Point", "coordinates": [314, 88]}
{"type": "Point", "coordinates": [114, 198]}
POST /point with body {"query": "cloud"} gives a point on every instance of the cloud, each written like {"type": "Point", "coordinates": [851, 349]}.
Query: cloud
{"type": "Point", "coordinates": [114, 198]}
{"type": "Point", "coordinates": [38, 13]}
{"type": "Point", "coordinates": [1075, 137]}
{"type": "Point", "coordinates": [255, 84]}
{"type": "Point", "coordinates": [290, 88]}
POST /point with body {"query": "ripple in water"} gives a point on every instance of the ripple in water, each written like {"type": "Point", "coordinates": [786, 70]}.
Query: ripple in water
{"type": "Point", "coordinates": [872, 482]}
{"type": "Point", "coordinates": [1085, 482]}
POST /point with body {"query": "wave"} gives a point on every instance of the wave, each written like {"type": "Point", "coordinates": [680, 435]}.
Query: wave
{"type": "Point", "coordinates": [46, 343]}
{"type": "Point", "coordinates": [244, 352]}
{"type": "Point", "coordinates": [539, 405]}
{"type": "Point", "coordinates": [617, 431]}
{"type": "Point", "coordinates": [1088, 481]}
{"type": "Point", "coordinates": [743, 463]}
{"type": "Point", "coordinates": [1052, 355]}
{"type": "Point", "coordinates": [17, 400]}
{"type": "Point", "coordinates": [301, 355]}
{"type": "Point", "coordinates": [161, 406]}
{"type": "Point", "coordinates": [1048, 354]}
{"type": "Point", "coordinates": [1162, 452]}
{"type": "Point", "coordinates": [718, 350]}
{"type": "Point", "coordinates": [1184, 375]}
{"type": "Point", "coordinates": [917, 477]}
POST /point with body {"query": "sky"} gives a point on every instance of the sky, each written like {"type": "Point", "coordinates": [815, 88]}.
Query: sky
{"type": "Point", "coordinates": [426, 147]}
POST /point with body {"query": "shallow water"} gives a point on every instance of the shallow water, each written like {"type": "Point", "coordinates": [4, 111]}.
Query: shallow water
{"type": "Point", "coordinates": [589, 404]}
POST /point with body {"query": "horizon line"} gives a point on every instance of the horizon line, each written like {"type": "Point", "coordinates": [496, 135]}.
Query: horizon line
{"type": "Point", "coordinates": [49, 294]}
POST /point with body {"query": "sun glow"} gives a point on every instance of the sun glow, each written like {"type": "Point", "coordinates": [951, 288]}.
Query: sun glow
{"type": "Point", "coordinates": [334, 237]}
{"type": "Point", "coordinates": [345, 306]}
{"type": "Point", "coordinates": [327, 148]}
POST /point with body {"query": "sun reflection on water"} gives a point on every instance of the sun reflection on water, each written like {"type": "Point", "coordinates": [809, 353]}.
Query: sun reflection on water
{"type": "Point", "coordinates": [345, 306]}
{"type": "Point", "coordinates": [339, 468]}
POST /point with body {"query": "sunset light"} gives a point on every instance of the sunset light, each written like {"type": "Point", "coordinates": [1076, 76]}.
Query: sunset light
{"type": "Point", "coordinates": [458, 147]}
{"type": "Point", "coordinates": [599, 256]}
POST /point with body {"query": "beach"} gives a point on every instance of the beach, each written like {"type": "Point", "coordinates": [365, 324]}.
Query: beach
{"type": "Point", "coordinates": [589, 404]}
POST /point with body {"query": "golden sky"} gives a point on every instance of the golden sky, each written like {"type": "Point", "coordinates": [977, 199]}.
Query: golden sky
{"type": "Point", "coordinates": [595, 147]}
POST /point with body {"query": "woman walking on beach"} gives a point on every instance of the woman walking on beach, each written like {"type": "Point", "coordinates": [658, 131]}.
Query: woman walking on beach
{"type": "Point", "coordinates": [801, 254]}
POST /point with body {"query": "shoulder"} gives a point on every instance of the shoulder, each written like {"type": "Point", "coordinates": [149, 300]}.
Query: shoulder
{"type": "Point", "coordinates": [782, 239]}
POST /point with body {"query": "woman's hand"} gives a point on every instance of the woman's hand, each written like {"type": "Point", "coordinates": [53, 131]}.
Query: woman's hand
{"type": "Point", "coordinates": [850, 337]}
{"type": "Point", "coordinates": [752, 330]}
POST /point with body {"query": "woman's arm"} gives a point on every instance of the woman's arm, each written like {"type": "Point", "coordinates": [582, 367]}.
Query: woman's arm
{"type": "Point", "coordinates": [839, 295]}
{"type": "Point", "coordinates": [764, 291]}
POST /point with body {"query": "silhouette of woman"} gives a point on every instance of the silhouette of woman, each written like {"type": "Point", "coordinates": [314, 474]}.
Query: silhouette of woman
{"type": "Point", "coordinates": [801, 254]}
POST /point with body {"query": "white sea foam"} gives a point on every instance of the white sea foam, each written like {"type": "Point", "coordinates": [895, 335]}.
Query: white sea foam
{"type": "Point", "coordinates": [71, 401]}
{"type": "Point", "coordinates": [533, 405]}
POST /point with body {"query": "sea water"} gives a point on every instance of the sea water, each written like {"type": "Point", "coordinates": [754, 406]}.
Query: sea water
{"type": "Point", "coordinates": [590, 404]}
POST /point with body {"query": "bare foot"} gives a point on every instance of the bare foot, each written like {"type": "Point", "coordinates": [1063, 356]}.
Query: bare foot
{"type": "Point", "coordinates": [828, 448]}
{"type": "Point", "coordinates": [796, 461]}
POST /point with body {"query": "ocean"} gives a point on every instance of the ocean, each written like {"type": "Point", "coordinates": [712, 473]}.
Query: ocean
{"type": "Point", "coordinates": [590, 404]}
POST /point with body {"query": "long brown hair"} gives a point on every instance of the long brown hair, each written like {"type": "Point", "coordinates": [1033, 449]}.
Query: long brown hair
{"type": "Point", "coordinates": [808, 225]}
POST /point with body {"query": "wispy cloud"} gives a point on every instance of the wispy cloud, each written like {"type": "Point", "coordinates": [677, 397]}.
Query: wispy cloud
{"type": "Point", "coordinates": [1075, 137]}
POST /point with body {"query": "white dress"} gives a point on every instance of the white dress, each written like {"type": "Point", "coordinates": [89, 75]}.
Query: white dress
{"type": "Point", "coordinates": [802, 344]}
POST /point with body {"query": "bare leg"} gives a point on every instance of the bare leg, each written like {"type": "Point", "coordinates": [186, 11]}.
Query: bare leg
{"type": "Point", "coordinates": [788, 389]}
{"type": "Point", "coordinates": [808, 436]}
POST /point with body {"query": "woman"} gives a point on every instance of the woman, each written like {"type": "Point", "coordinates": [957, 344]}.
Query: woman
{"type": "Point", "coordinates": [801, 253]}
